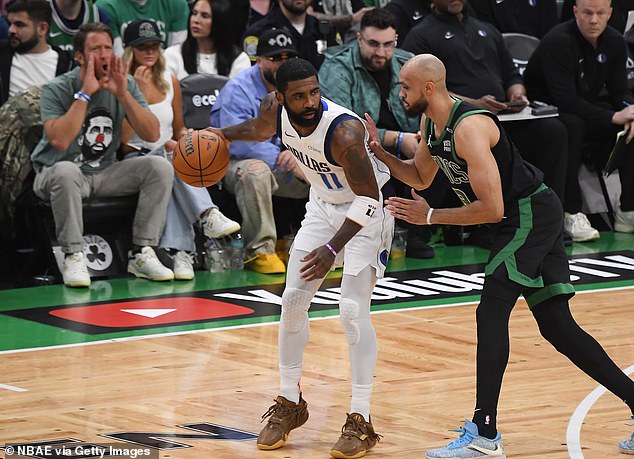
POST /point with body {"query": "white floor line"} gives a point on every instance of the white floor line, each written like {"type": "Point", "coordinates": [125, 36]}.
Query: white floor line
{"type": "Point", "coordinates": [13, 388]}
{"type": "Point", "coordinates": [573, 434]}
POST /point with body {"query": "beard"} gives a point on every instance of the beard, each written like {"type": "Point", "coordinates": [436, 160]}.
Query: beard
{"type": "Point", "coordinates": [369, 64]}
{"type": "Point", "coordinates": [417, 108]}
{"type": "Point", "coordinates": [23, 47]}
{"type": "Point", "coordinates": [298, 118]}
{"type": "Point", "coordinates": [296, 10]}
{"type": "Point", "coordinates": [269, 76]}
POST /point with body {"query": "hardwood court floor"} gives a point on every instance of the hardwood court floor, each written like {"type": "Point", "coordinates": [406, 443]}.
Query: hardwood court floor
{"type": "Point", "coordinates": [424, 386]}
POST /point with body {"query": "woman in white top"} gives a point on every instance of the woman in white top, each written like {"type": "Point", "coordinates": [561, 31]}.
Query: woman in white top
{"type": "Point", "coordinates": [161, 90]}
{"type": "Point", "coordinates": [209, 46]}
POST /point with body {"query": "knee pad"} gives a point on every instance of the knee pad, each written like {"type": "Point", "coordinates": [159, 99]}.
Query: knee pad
{"type": "Point", "coordinates": [295, 305]}
{"type": "Point", "coordinates": [349, 313]}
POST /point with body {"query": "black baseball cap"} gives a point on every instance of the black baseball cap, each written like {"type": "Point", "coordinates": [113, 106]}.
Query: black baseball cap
{"type": "Point", "coordinates": [141, 31]}
{"type": "Point", "coordinates": [275, 41]}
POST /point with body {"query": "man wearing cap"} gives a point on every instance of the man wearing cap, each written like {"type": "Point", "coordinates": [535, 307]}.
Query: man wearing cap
{"type": "Point", "coordinates": [82, 111]}
{"type": "Point", "coordinates": [311, 36]}
{"type": "Point", "coordinates": [257, 171]}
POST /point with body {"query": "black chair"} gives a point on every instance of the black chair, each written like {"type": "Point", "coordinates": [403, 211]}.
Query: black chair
{"type": "Point", "coordinates": [200, 91]}
{"type": "Point", "coordinates": [521, 47]}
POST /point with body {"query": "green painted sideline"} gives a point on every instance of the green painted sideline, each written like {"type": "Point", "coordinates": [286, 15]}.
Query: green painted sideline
{"type": "Point", "coordinates": [23, 334]}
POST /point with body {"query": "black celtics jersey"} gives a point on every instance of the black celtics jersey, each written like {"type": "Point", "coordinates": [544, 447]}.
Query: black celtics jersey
{"type": "Point", "coordinates": [519, 178]}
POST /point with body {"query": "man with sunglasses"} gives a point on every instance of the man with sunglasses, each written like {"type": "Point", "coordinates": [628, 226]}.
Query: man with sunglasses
{"type": "Point", "coordinates": [257, 171]}
{"type": "Point", "coordinates": [363, 77]}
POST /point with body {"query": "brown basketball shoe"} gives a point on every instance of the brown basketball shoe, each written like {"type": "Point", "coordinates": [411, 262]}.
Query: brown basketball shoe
{"type": "Point", "coordinates": [357, 437]}
{"type": "Point", "coordinates": [284, 417]}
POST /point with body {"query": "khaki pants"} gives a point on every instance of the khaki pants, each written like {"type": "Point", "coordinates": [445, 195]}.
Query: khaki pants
{"type": "Point", "coordinates": [65, 185]}
{"type": "Point", "coordinates": [253, 183]}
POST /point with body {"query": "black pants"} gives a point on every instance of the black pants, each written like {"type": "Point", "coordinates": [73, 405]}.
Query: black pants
{"type": "Point", "coordinates": [592, 142]}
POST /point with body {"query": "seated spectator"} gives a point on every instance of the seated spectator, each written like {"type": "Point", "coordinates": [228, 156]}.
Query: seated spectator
{"type": "Point", "coordinates": [341, 14]}
{"type": "Point", "coordinates": [310, 36]}
{"type": "Point", "coordinates": [170, 15]}
{"type": "Point", "coordinates": [68, 15]}
{"type": "Point", "coordinates": [364, 76]}
{"type": "Point", "coordinates": [160, 88]}
{"type": "Point", "coordinates": [618, 18]}
{"type": "Point", "coordinates": [572, 66]}
{"type": "Point", "coordinates": [207, 48]}
{"type": "Point", "coordinates": [480, 71]}
{"type": "Point", "coordinates": [257, 171]}
{"type": "Point", "coordinates": [83, 111]}
{"type": "Point", "coordinates": [408, 13]}
{"type": "Point", "coordinates": [533, 18]}
{"type": "Point", "coordinates": [27, 59]}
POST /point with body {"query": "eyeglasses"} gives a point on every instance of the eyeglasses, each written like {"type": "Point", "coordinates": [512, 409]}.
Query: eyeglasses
{"type": "Point", "coordinates": [377, 45]}
{"type": "Point", "coordinates": [281, 57]}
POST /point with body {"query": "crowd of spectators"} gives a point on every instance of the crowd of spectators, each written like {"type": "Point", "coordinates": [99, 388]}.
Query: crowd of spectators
{"type": "Point", "coordinates": [358, 46]}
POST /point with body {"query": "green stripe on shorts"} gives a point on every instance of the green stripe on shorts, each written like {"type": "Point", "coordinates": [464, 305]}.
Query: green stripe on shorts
{"type": "Point", "coordinates": [507, 254]}
{"type": "Point", "coordinates": [548, 292]}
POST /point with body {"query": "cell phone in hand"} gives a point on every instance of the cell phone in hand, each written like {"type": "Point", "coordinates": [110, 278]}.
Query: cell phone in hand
{"type": "Point", "coordinates": [515, 103]}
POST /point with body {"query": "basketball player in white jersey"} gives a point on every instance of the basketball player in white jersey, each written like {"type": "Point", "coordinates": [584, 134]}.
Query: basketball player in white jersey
{"type": "Point", "coordinates": [344, 218]}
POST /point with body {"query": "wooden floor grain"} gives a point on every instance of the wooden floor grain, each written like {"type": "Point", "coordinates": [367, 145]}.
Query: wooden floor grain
{"type": "Point", "coordinates": [424, 386]}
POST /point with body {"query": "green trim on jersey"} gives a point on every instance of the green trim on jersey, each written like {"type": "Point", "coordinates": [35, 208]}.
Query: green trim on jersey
{"type": "Point", "coordinates": [61, 35]}
{"type": "Point", "coordinates": [507, 254]}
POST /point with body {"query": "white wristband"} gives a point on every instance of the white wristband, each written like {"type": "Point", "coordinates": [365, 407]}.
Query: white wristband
{"type": "Point", "coordinates": [429, 212]}
{"type": "Point", "coordinates": [362, 209]}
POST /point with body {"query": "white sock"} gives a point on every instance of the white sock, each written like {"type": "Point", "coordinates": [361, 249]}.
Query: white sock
{"type": "Point", "coordinates": [289, 383]}
{"type": "Point", "coordinates": [360, 403]}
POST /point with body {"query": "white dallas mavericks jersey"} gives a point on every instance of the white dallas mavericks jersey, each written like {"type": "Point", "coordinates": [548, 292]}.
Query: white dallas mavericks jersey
{"type": "Point", "coordinates": [313, 154]}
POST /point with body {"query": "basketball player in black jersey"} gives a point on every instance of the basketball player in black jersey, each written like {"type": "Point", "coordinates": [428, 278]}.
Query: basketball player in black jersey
{"type": "Point", "coordinates": [527, 256]}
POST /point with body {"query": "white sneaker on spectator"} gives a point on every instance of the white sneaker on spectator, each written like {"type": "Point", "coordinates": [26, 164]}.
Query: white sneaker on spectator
{"type": "Point", "coordinates": [75, 272]}
{"type": "Point", "coordinates": [183, 266]}
{"type": "Point", "coordinates": [216, 225]}
{"type": "Point", "coordinates": [146, 264]}
{"type": "Point", "coordinates": [624, 221]}
{"type": "Point", "coordinates": [579, 228]}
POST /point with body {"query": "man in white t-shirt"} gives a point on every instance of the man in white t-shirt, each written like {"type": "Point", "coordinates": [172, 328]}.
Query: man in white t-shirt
{"type": "Point", "coordinates": [27, 59]}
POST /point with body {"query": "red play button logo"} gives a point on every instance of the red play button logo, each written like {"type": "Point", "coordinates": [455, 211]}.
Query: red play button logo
{"type": "Point", "coordinates": [150, 312]}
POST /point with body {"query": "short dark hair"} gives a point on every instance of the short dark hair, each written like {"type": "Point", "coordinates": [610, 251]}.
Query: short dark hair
{"type": "Point", "coordinates": [380, 18]}
{"type": "Point", "coordinates": [293, 70]}
{"type": "Point", "coordinates": [79, 40]}
{"type": "Point", "coordinates": [38, 10]}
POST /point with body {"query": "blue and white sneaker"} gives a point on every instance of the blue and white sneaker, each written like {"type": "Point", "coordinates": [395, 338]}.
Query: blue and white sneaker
{"type": "Point", "coordinates": [469, 445]}
{"type": "Point", "coordinates": [627, 446]}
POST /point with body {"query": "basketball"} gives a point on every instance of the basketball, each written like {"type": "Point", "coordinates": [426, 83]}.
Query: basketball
{"type": "Point", "coordinates": [201, 158]}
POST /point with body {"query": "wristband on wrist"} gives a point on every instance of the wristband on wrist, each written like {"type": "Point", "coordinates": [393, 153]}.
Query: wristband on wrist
{"type": "Point", "coordinates": [399, 141]}
{"type": "Point", "coordinates": [329, 247]}
{"type": "Point", "coordinates": [79, 95]}
{"type": "Point", "coordinates": [429, 212]}
{"type": "Point", "coordinates": [361, 209]}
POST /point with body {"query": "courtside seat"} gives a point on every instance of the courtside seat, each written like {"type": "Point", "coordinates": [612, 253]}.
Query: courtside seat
{"type": "Point", "coordinates": [521, 47]}
{"type": "Point", "coordinates": [107, 235]}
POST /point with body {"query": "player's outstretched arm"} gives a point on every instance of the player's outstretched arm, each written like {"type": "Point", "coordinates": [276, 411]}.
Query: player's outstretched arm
{"type": "Point", "coordinates": [418, 172]}
{"type": "Point", "coordinates": [257, 129]}
{"type": "Point", "coordinates": [349, 150]}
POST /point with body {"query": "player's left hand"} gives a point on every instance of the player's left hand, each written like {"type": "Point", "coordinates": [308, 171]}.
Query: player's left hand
{"type": "Point", "coordinates": [410, 210]}
{"type": "Point", "coordinates": [318, 264]}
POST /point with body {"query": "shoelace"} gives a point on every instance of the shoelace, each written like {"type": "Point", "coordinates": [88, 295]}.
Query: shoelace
{"type": "Point", "coordinates": [276, 411]}
{"type": "Point", "coordinates": [355, 428]}
{"type": "Point", "coordinates": [186, 256]}
{"type": "Point", "coordinates": [464, 438]}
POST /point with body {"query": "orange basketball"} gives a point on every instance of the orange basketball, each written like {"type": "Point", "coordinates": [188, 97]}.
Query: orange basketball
{"type": "Point", "coordinates": [201, 158]}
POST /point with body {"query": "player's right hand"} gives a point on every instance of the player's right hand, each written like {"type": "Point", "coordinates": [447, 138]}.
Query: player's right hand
{"type": "Point", "coordinates": [374, 142]}
{"type": "Point", "coordinates": [90, 84]}
{"type": "Point", "coordinates": [218, 132]}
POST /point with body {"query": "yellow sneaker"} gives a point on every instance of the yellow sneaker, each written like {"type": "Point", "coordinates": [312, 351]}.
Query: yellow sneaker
{"type": "Point", "coordinates": [266, 263]}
